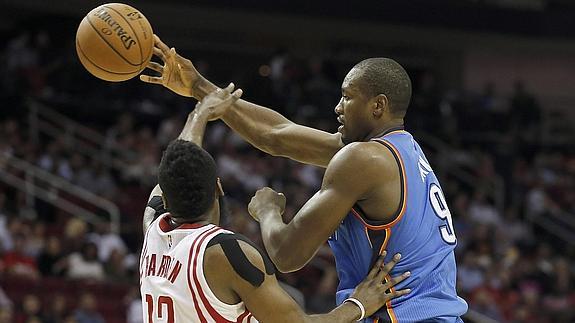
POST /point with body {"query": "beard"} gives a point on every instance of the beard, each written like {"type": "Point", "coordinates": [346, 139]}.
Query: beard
{"type": "Point", "coordinates": [224, 212]}
{"type": "Point", "coordinates": [345, 140]}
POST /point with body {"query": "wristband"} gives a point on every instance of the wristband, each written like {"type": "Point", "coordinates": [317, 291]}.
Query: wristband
{"type": "Point", "coordinates": [358, 303]}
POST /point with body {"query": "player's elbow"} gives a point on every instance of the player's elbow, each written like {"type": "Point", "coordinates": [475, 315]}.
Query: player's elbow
{"type": "Point", "coordinates": [287, 261]}
{"type": "Point", "coordinates": [287, 267]}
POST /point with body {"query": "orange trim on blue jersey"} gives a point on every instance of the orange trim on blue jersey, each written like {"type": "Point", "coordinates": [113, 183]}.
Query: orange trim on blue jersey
{"type": "Point", "coordinates": [384, 244]}
{"type": "Point", "coordinates": [404, 175]}
{"type": "Point", "coordinates": [368, 239]}
{"type": "Point", "coordinates": [365, 224]}
{"type": "Point", "coordinates": [403, 203]}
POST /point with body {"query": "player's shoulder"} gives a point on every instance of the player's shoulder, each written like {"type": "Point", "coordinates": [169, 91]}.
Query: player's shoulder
{"type": "Point", "coordinates": [367, 156]}
{"type": "Point", "coordinates": [234, 253]}
{"type": "Point", "coordinates": [228, 245]}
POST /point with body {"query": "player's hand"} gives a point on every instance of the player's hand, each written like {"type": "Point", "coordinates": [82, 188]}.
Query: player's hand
{"type": "Point", "coordinates": [265, 202]}
{"type": "Point", "coordinates": [373, 292]}
{"type": "Point", "coordinates": [217, 102]}
{"type": "Point", "coordinates": [177, 73]}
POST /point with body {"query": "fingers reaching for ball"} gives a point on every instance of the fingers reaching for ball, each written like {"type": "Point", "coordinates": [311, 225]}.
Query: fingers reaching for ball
{"type": "Point", "coordinates": [176, 72]}
{"type": "Point", "coordinates": [158, 43]}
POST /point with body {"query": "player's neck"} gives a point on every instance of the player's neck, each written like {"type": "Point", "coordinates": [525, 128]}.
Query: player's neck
{"type": "Point", "coordinates": [389, 126]}
{"type": "Point", "coordinates": [175, 222]}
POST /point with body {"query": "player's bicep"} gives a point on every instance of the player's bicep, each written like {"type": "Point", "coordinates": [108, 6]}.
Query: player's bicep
{"type": "Point", "coordinates": [270, 303]}
{"type": "Point", "coordinates": [249, 275]}
{"type": "Point", "coordinates": [320, 216]}
{"type": "Point", "coordinates": [346, 181]}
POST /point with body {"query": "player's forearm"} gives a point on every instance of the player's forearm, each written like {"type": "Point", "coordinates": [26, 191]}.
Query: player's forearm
{"type": "Point", "coordinates": [252, 122]}
{"type": "Point", "coordinates": [201, 88]}
{"type": "Point", "coordinates": [274, 134]}
{"type": "Point", "coordinates": [346, 312]}
{"type": "Point", "coordinates": [195, 127]}
{"type": "Point", "coordinates": [256, 124]}
{"type": "Point", "coordinates": [281, 244]}
{"type": "Point", "coordinates": [249, 120]}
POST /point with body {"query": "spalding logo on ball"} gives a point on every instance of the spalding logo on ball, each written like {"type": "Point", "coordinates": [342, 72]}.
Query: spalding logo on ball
{"type": "Point", "coordinates": [114, 42]}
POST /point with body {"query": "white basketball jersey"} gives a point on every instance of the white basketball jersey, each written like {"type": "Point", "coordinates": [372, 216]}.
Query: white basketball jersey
{"type": "Point", "coordinates": [172, 282]}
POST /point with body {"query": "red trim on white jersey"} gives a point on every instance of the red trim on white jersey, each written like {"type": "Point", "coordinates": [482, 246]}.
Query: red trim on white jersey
{"type": "Point", "coordinates": [144, 250]}
{"type": "Point", "coordinates": [181, 246]}
{"type": "Point", "coordinates": [213, 313]}
{"type": "Point", "coordinates": [242, 316]}
{"type": "Point", "coordinates": [196, 303]}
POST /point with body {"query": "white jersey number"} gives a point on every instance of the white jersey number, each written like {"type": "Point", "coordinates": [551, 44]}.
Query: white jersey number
{"type": "Point", "coordinates": [162, 300]}
{"type": "Point", "coordinates": [439, 205]}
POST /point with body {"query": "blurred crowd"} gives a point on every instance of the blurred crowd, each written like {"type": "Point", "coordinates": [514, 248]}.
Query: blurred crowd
{"type": "Point", "coordinates": [509, 268]}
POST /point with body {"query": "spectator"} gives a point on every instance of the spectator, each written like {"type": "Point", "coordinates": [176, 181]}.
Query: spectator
{"type": "Point", "coordinates": [36, 239]}
{"type": "Point", "coordinates": [85, 264]}
{"type": "Point", "coordinates": [57, 310]}
{"type": "Point", "coordinates": [134, 305]}
{"type": "Point", "coordinates": [75, 233]}
{"type": "Point", "coordinates": [469, 273]}
{"type": "Point", "coordinates": [6, 315]}
{"type": "Point", "coordinates": [87, 310]}
{"type": "Point", "coordinates": [31, 310]}
{"type": "Point", "coordinates": [51, 261]}
{"type": "Point", "coordinates": [480, 211]}
{"type": "Point", "coordinates": [106, 241]}
{"type": "Point", "coordinates": [17, 262]}
{"type": "Point", "coordinates": [115, 267]}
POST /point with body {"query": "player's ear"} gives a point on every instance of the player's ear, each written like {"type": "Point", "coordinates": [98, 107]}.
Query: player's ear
{"type": "Point", "coordinates": [219, 189]}
{"type": "Point", "coordinates": [380, 105]}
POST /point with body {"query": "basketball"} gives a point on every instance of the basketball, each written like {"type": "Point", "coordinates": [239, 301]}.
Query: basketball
{"type": "Point", "coordinates": [114, 42]}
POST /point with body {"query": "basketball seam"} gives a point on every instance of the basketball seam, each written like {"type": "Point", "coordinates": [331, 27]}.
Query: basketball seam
{"type": "Point", "coordinates": [112, 47]}
{"type": "Point", "coordinates": [97, 66]}
{"type": "Point", "coordinates": [135, 35]}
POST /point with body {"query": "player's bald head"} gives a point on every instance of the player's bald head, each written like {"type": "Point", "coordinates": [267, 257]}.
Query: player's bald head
{"type": "Point", "coordinates": [384, 76]}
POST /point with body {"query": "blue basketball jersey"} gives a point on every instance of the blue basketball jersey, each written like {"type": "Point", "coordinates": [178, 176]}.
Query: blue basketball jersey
{"type": "Point", "coordinates": [422, 232]}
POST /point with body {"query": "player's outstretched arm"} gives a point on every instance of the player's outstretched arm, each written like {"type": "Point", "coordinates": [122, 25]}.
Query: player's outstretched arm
{"type": "Point", "coordinates": [268, 302]}
{"type": "Point", "coordinates": [262, 127]}
{"type": "Point", "coordinates": [193, 131]}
